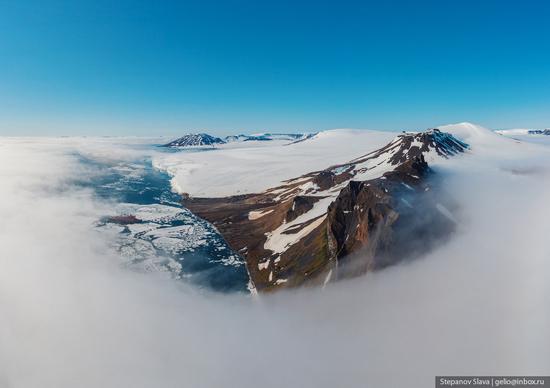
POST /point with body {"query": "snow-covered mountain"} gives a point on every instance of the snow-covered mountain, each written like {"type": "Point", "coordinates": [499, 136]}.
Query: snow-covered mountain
{"type": "Point", "coordinates": [269, 137]}
{"type": "Point", "coordinates": [303, 231]}
{"type": "Point", "coordinates": [512, 132]}
{"type": "Point", "coordinates": [539, 132]}
{"type": "Point", "coordinates": [195, 140]}
{"type": "Point", "coordinates": [203, 139]}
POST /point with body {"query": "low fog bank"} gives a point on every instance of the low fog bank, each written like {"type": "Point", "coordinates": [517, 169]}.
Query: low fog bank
{"type": "Point", "coordinates": [71, 315]}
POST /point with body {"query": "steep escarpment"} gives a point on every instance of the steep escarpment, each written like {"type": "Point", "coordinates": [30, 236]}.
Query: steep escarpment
{"type": "Point", "coordinates": [380, 222]}
{"type": "Point", "coordinates": [342, 221]}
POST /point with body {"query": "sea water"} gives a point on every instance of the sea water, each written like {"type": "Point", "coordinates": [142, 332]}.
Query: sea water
{"type": "Point", "coordinates": [154, 232]}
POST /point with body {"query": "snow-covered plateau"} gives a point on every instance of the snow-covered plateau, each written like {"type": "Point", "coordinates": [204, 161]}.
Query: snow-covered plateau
{"type": "Point", "coordinates": [247, 167]}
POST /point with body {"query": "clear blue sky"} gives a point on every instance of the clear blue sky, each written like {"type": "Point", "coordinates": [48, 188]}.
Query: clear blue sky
{"type": "Point", "coordinates": [167, 67]}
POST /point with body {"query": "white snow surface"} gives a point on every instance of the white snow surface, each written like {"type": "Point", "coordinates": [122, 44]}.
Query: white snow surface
{"type": "Point", "coordinates": [485, 141]}
{"type": "Point", "coordinates": [248, 167]}
{"type": "Point", "coordinates": [523, 135]}
{"type": "Point", "coordinates": [511, 132]}
{"type": "Point", "coordinates": [254, 215]}
{"type": "Point", "coordinates": [470, 133]}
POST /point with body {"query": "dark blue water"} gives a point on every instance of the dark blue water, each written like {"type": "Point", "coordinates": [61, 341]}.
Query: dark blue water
{"type": "Point", "coordinates": [163, 235]}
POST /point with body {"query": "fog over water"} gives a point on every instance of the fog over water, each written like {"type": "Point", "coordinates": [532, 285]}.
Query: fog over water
{"type": "Point", "coordinates": [72, 316]}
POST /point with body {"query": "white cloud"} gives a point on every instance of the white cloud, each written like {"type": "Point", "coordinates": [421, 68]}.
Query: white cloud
{"type": "Point", "coordinates": [70, 315]}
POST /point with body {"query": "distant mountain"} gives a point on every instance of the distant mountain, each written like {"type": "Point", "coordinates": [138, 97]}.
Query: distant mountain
{"type": "Point", "coordinates": [269, 136]}
{"type": "Point", "coordinates": [235, 138]}
{"type": "Point", "coordinates": [346, 220]}
{"type": "Point", "coordinates": [195, 140]}
{"type": "Point", "coordinates": [539, 132]}
{"type": "Point", "coordinates": [516, 132]}
{"type": "Point", "coordinates": [203, 139]}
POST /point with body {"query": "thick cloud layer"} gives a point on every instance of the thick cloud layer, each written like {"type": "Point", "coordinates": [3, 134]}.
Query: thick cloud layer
{"type": "Point", "coordinates": [71, 315]}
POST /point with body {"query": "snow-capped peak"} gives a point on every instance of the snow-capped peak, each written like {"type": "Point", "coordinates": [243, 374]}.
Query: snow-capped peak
{"type": "Point", "coordinates": [432, 144]}
{"type": "Point", "coordinates": [195, 140]}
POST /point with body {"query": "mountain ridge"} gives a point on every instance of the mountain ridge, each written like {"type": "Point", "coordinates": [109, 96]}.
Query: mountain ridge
{"type": "Point", "coordinates": [288, 234]}
{"type": "Point", "coordinates": [204, 139]}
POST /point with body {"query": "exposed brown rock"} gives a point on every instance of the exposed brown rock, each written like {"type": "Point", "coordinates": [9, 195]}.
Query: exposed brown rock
{"type": "Point", "coordinates": [123, 220]}
{"type": "Point", "coordinates": [362, 219]}
{"type": "Point", "coordinates": [300, 205]}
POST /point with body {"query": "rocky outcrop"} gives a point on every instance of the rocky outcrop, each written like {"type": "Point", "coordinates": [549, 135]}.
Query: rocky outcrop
{"type": "Point", "coordinates": [126, 219]}
{"type": "Point", "coordinates": [301, 204]}
{"type": "Point", "coordinates": [362, 221]}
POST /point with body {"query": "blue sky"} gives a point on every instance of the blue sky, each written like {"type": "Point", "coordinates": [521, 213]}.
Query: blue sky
{"type": "Point", "coordinates": [168, 67]}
